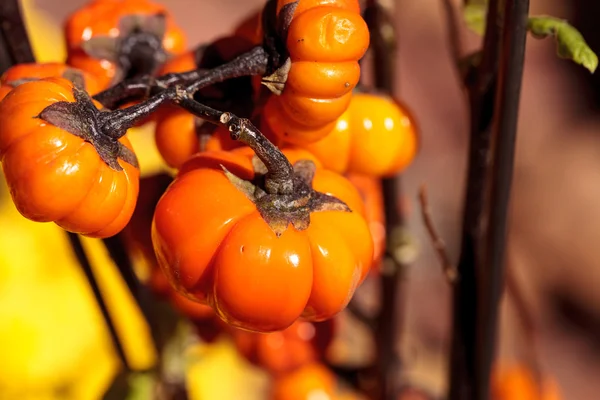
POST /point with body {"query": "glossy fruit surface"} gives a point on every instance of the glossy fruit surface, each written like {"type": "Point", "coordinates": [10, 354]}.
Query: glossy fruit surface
{"type": "Point", "coordinates": [215, 245]}
{"type": "Point", "coordinates": [375, 136]}
{"type": "Point", "coordinates": [325, 40]}
{"type": "Point", "coordinates": [175, 136]}
{"type": "Point", "coordinates": [54, 175]}
{"type": "Point", "coordinates": [21, 73]}
{"type": "Point", "coordinates": [281, 352]}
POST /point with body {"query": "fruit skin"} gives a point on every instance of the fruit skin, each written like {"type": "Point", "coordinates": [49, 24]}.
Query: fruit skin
{"type": "Point", "coordinates": [372, 195]}
{"type": "Point", "coordinates": [175, 136]}
{"type": "Point", "coordinates": [312, 381]}
{"type": "Point", "coordinates": [376, 136]}
{"type": "Point", "coordinates": [325, 40]}
{"type": "Point", "coordinates": [216, 248]}
{"type": "Point", "coordinates": [102, 18]}
{"type": "Point", "coordinates": [516, 382]}
{"type": "Point", "coordinates": [54, 175]}
{"type": "Point", "coordinates": [282, 352]}
{"type": "Point", "coordinates": [43, 70]}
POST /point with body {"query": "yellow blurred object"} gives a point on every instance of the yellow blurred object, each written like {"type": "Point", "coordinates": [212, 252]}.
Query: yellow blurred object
{"type": "Point", "coordinates": [219, 372]}
{"type": "Point", "coordinates": [45, 35]}
{"type": "Point", "coordinates": [54, 341]}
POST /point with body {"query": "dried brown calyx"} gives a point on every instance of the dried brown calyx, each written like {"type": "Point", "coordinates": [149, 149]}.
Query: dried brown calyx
{"type": "Point", "coordinates": [82, 119]}
{"type": "Point", "coordinates": [280, 210]}
{"type": "Point", "coordinates": [138, 49]}
{"type": "Point", "coordinates": [276, 27]}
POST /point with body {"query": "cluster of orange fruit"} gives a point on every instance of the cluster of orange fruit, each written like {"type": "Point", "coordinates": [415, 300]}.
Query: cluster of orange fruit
{"type": "Point", "coordinates": [260, 259]}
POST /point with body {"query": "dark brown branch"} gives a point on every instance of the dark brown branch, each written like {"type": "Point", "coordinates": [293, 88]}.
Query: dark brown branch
{"type": "Point", "coordinates": [253, 62]}
{"type": "Point", "coordinates": [383, 45]}
{"type": "Point", "coordinates": [15, 47]}
{"type": "Point", "coordinates": [464, 321]}
{"type": "Point", "coordinates": [448, 267]}
{"type": "Point", "coordinates": [504, 135]}
{"type": "Point", "coordinates": [117, 251]}
{"type": "Point", "coordinates": [491, 153]}
{"type": "Point", "coordinates": [86, 266]}
{"type": "Point", "coordinates": [134, 88]}
{"type": "Point", "coordinates": [384, 51]}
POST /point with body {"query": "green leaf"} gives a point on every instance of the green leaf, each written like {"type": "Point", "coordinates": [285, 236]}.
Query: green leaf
{"type": "Point", "coordinates": [571, 44]}
{"type": "Point", "coordinates": [474, 14]}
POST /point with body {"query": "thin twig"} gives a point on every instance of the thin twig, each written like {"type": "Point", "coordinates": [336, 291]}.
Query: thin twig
{"type": "Point", "coordinates": [86, 266]}
{"type": "Point", "coordinates": [448, 267]}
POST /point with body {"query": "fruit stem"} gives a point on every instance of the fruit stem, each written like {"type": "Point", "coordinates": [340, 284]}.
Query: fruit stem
{"type": "Point", "coordinates": [135, 88]}
{"type": "Point", "coordinates": [116, 123]}
{"type": "Point", "coordinates": [171, 86]}
{"type": "Point", "coordinates": [253, 62]}
{"type": "Point", "coordinates": [279, 178]}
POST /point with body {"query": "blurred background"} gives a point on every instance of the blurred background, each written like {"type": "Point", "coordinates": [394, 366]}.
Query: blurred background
{"type": "Point", "coordinates": [554, 246]}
